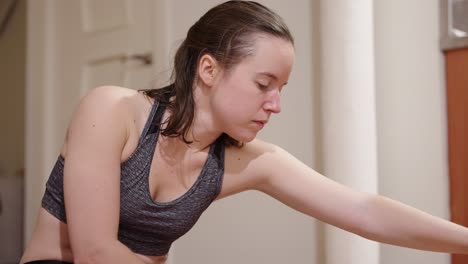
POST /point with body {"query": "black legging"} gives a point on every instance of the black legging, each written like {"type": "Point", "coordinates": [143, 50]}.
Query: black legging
{"type": "Point", "coordinates": [47, 262]}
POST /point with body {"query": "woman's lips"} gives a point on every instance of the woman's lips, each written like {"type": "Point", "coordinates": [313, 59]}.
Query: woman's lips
{"type": "Point", "coordinates": [260, 123]}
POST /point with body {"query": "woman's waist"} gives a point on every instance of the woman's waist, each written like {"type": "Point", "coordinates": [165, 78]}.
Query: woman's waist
{"type": "Point", "coordinates": [50, 241]}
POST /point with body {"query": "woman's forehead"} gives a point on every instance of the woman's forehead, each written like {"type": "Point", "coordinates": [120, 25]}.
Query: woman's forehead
{"type": "Point", "coordinates": [272, 56]}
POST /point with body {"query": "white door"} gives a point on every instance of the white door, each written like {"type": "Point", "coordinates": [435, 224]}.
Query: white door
{"type": "Point", "coordinates": [73, 47]}
{"type": "Point", "coordinates": [96, 43]}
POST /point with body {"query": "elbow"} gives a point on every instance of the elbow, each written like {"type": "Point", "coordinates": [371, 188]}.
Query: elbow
{"type": "Point", "coordinates": [90, 253]}
{"type": "Point", "coordinates": [367, 225]}
{"type": "Point", "coordinates": [88, 256]}
{"type": "Point", "coordinates": [373, 221]}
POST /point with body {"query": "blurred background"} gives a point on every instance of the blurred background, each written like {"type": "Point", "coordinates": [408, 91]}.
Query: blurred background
{"type": "Point", "coordinates": [368, 104]}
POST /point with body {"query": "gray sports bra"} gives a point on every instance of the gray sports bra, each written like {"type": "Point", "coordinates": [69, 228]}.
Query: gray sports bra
{"type": "Point", "coordinates": [148, 227]}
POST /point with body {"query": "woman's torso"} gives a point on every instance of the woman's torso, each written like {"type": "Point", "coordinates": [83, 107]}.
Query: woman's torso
{"type": "Point", "coordinates": [50, 236]}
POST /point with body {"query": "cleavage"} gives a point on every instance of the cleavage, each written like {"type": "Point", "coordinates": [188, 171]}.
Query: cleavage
{"type": "Point", "coordinates": [174, 171]}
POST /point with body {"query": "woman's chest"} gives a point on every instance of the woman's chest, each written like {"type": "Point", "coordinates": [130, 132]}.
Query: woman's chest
{"type": "Point", "coordinates": [170, 177]}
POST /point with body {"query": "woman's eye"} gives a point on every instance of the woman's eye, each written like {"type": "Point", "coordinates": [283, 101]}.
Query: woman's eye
{"type": "Point", "coordinates": [262, 86]}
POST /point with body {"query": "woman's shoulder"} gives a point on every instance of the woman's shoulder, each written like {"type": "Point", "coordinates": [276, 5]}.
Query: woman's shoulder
{"type": "Point", "coordinates": [252, 157]}
{"type": "Point", "coordinates": [259, 157]}
{"type": "Point", "coordinates": [117, 98]}
{"type": "Point", "coordinates": [110, 109]}
{"type": "Point", "coordinates": [255, 147]}
{"type": "Point", "coordinates": [248, 167]}
{"type": "Point", "coordinates": [111, 94]}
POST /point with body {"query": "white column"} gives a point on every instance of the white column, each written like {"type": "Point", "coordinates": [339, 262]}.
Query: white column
{"type": "Point", "coordinates": [348, 114]}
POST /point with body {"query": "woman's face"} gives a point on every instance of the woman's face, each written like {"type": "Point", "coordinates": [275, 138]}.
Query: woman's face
{"type": "Point", "coordinates": [244, 98]}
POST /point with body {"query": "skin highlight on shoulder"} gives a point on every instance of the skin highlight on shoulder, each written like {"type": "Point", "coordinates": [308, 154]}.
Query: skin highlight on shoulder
{"type": "Point", "coordinates": [245, 168]}
{"type": "Point", "coordinates": [124, 104]}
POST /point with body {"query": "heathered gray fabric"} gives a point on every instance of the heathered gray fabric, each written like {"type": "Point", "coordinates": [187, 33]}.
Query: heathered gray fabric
{"type": "Point", "coordinates": [148, 227]}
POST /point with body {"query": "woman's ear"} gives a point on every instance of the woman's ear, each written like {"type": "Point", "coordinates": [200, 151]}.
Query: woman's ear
{"type": "Point", "coordinates": [208, 68]}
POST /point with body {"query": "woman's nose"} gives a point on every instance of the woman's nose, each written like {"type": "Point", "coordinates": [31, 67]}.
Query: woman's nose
{"type": "Point", "coordinates": [273, 102]}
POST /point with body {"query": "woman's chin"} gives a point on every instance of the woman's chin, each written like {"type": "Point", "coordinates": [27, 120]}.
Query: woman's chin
{"type": "Point", "coordinates": [246, 137]}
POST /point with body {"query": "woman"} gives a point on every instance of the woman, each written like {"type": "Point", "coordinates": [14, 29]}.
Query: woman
{"type": "Point", "coordinates": [137, 169]}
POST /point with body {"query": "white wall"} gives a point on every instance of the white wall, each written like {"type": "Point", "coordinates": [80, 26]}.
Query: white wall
{"type": "Point", "coordinates": [411, 115]}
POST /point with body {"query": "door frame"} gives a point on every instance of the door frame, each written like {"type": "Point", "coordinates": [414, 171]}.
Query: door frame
{"type": "Point", "coordinates": [451, 46]}
{"type": "Point", "coordinates": [39, 97]}
{"type": "Point", "coordinates": [448, 40]}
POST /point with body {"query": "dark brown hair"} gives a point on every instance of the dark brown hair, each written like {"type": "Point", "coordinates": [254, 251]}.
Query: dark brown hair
{"type": "Point", "coordinates": [224, 32]}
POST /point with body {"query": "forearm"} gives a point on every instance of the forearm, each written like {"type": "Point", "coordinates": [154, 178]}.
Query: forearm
{"type": "Point", "coordinates": [114, 252]}
{"type": "Point", "coordinates": [392, 222]}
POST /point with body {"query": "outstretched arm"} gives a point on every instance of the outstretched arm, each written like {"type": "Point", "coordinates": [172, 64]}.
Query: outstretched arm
{"type": "Point", "coordinates": [375, 217]}
{"type": "Point", "coordinates": [395, 223]}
